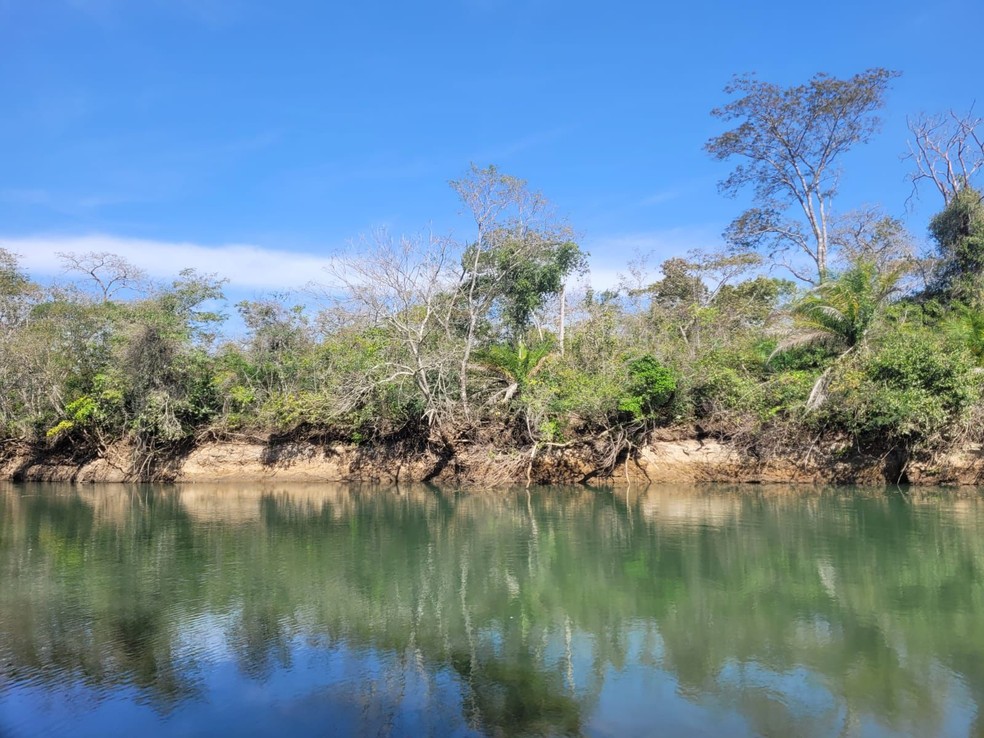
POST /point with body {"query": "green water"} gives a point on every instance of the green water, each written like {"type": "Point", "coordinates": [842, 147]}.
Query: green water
{"type": "Point", "coordinates": [339, 610]}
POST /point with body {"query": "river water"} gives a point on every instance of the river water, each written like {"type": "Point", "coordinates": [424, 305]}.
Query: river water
{"type": "Point", "coordinates": [301, 610]}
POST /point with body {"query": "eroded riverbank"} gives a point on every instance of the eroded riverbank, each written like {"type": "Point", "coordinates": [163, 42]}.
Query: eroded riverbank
{"type": "Point", "coordinates": [674, 460]}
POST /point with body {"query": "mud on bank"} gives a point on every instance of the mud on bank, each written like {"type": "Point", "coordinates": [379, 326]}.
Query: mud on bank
{"type": "Point", "coordinates": [667, 460]}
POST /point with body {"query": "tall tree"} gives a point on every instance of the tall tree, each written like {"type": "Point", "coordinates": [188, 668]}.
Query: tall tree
{"type": "Point", "coordinates": [686, 299]}
{"type": "Point", "coordinates": [406, 286]}
{"type": "Point", "coordinates": [869, 235]}
{"type": "Point", "coordinates": [788, 141]}
{"type": "Point", "coordinates": [16, 291]}
{"type": "Point", "coordinates": [18, 296]}
{"type": "Point", "coordinates": [519, 255]}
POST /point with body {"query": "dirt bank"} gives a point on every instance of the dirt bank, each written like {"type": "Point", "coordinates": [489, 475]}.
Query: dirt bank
{"type": "Point", "coordinates": [662, 461]}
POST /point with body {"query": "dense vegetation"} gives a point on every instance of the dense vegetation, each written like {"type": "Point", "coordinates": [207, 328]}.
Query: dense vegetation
{"type": "Point", "coordinates": [812, 324]}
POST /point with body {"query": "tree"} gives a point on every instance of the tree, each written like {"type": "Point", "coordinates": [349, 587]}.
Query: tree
{"type": "Point", "coordinates": [868, 235]}
{"type": "Point", "coordinates": [16, 293]}
{"type": "Point", "coordinates": [959, 234]}
{"type": "Point", "coordinates": [520, 273]}
{"type": "Point", "coordinates": [406, 286]}
{"type": "Point", "coordinates": [110, 272]}
{"type": "Point", "coordinates": [685, 299]}
{"type": "Point", "coordinates": [520, 253]}
{"type": "Point", "coordinates": [964, 326]}
{"type": "Point", "coordinates": [516, 366]}
{"type": "Point", "coordinates": [947, 150]}
{"type": "Point", "coordinates": [278, 339]}
{"type": "Point", "coordinates": [160, 377]}
{"type": "Point", "coordinates": [17, 298]}
{"type": "Point", "coordinates": [789, 141]}
{"type": "Point", "coordinates": [838, 315]}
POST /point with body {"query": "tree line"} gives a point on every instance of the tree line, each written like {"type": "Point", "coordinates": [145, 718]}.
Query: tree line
{"type": "Point", "coordinates": [810, 323]}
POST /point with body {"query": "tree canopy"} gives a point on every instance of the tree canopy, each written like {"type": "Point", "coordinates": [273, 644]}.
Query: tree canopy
{"type": "Point", "coordinates": [788, 142]}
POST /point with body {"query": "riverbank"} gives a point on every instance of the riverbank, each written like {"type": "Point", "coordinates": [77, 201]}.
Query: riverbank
{"type": "Point", "coordinates": [667, 460]}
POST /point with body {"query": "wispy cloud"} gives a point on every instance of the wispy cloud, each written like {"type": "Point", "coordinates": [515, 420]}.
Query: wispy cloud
{"type": "Point", "coordinates": [658, 198]}
{"type": "Point", "coordinates": [69, 204]}
{"type": "Point", "coordinates": [256, 267]}
{"type": "Point", "coordinates": [138, 169]}
{"type": "Point", "coordinates": [511, 148]}
{"type": "Point", "coordinates": [676, 189]}
{"type": "Point", "coordinates": [245, 265]}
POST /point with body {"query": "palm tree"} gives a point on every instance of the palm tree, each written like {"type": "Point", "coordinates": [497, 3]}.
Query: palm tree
{"type": "Point", "coordinates": [838, 315]}
{"type": "Point", "coordinates": [516, 366]}
{"type": "Point", "coordinates": [966, 327]}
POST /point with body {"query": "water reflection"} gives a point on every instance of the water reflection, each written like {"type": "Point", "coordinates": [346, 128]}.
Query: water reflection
{"type": "Point", "coordinates": [312, 609]}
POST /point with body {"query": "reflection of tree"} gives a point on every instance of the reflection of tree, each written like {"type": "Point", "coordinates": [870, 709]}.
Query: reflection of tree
{"type": "Point", "coordinates": [85, 599]}
{"type": "Point", "coordinates": [530, 602]}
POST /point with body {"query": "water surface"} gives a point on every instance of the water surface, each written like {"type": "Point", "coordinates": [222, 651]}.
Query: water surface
{"type": "Point", "coordinates": [342, 610]}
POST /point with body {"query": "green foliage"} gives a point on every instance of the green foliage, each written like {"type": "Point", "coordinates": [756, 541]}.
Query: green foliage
{"type": "Point", "coordinates": [95, 415]}
{"type": "Point", "coordinates": [650, 388]}
{"type": "Point", "coordinates": [786, 392]}
{"type": "Point", "coordinates": [839, 313]}
{"type": "Point", "coordinates": [723, 389]}
{"type": "Point", "coordinates": [965, 327]}
{"type": "Point", "coordinates": [913, 387]}
{"type": "Point", "coordinates": [452, 341]}
{"type": "Point", "coordinates": [520, 270]}
{"type": "Point", "coordinates": [755, 300]}
{"type": "Point", "coordinates": [804, 357]}
{"type": "Point", "coordinates": [573, 399]}
{"type": "Point", "coordinates": [959, 235]}
{"type": "Point", "coordinates": [516, 365]}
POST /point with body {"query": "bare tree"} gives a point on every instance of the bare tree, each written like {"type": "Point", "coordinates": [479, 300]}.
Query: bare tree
{"type": "Point", "coordinates": [18, 295]}
{"type": "Point", "coordinates": [488, 196]}
{"type": "Point", "coordinates": [110, 272]}
{"type": "Point", "coordinates": [868, 234]}
{"type": "Point", "coordinates": [406, 285]}
{"type": "Point", "coordinates": [946, 150]}
{"type": "Point", "coordinates": [789, 141]}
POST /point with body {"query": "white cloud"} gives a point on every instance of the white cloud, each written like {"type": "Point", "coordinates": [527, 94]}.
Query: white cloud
{"type": "Point", "coordinates": [245, 265]}
{"type": "Point", "coordinates": [250, 266]}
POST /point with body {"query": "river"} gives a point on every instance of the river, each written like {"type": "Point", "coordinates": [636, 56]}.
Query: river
{"type": "Point", "coordinates": [299, 610]}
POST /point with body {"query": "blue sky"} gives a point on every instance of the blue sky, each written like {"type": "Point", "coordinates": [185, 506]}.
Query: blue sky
{"type": "Point", "coordinates": [255, 138]}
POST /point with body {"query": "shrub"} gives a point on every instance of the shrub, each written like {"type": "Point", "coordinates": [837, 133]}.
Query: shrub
{"type": "Point", "coordinates": [650, 388]}
{"type": "Point", "coordinates": [912, 388]}
{"type": "Point", "coordinates": [720, 389]}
